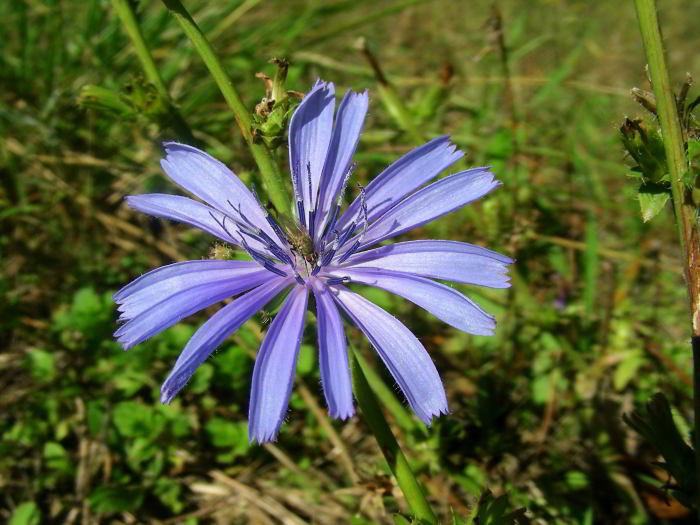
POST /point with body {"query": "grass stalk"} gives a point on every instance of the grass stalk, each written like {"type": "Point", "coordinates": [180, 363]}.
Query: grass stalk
{"type": "Point", "coordinates": [667, 111]}
{"type": "Point", "coordinates": [126, 15]}
{"type": "Point", "coordinates": [398, 463]}
{"type": "Point", "coordinates": [269, 170]}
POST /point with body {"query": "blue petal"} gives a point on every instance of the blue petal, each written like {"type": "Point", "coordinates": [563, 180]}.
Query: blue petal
{"type": "Point", "coordinates": [346, 134]}
{"type": "Point", "coordinates": [212, 333]}
{"type": "Point", "coordinates": [449, 260]}
{"type": "Point", "coordinates": [210, 180]}
{"type": "Point", "coordinates": [160, 304]}
{"type": "Point", "coordinates": [429, 203]}
{"type": "Point", "coordinates": [310, 132]}
{"type": "Point", "coordinates": [333, 354]}
{"type": "Point", "coordinates": [401, 352]}
{"type": "Point", "coordinates": [153, 287]}
{"type": "Point", "coordinates": [275, 365]}
{"type": "Point", "coordinates": [443, 302]}
{"type": "Point", "coordinates": [403, 177]}
{"type": "Point", "coordinates": [185, 210]}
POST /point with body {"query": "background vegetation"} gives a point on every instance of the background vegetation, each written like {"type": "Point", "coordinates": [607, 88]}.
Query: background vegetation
{"type": "Point", "coordinates": [595, 323]}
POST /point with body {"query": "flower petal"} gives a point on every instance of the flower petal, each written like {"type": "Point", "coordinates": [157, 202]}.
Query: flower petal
{"type": "Point", "coordinates": [449, 260]}
{"type": "Point", "coordinates": [333, 354]}
{"type": "Point", "coordinates": [403, 177]}
{"type": "Point", "coordinates": [310, 130]}
{"type": "Point", "coordinates": [401, 352]}
{"type": "Point", "coordinates": [157, 285]}
{"type": "Point", "coordinates": [210, 180]}
{"type": "Point", "coordinates": [183, 209]}
{"type": "Point", "coordinates": [346, 133]}
{"type": "Point", "coordinates": [212, 333]}
{"type": "Point", "coordinates": [274, 369]}
{"type": "Point", "coordinates": [443, 302]}
{"type": "Point", "coordinates": [430, 203]}
{"type": "Point", "coordinates": [153, 311]}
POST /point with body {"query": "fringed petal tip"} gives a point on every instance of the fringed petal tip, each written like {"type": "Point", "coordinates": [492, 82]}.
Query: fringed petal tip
{"type": "Point", "coordinates": [427, 419]}
{"type": "Point", "coordinates": [342, 414]}
{"type": "Point", "coordinates": [262, 437]}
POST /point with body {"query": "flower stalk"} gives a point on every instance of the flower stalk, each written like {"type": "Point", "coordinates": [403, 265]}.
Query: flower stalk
{"type": "Point", "coordinates": [684, 209]}
{"type": "Point", "coordinates": [398, 463]}
{"type": "Point", "coordinates": [269, 170]}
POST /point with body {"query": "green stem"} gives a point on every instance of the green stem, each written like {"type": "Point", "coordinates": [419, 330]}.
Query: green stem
{"type": "Point", "coordinates": [408, 483]}
{"type": "Point", "coordinates": [269, 170]}
{"type": "Point", "coordinates": [126, 15]}
{"type": "Point", "coordinates": [388, 399]}
{"type": "Point", "coordinates": [674, 147]}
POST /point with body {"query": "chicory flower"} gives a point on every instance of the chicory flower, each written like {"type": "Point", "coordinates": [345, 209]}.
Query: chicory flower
{"type": "Point", "coordinates": [322, 251]}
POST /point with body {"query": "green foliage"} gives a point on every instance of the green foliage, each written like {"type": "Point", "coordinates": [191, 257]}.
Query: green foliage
{"type": "Point", "coordinates": [655, 423]}
{"type": "Point", "coordinates": [492, 511]}
{"type": "Point", "coordinates": [26, 513]}
{"type": "Point", "coordinates": [115, 499]}
{"type": "Point", "coordinates": [595, 322]}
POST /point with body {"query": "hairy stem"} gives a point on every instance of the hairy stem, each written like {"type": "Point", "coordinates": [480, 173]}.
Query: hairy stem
{"type": "Point", "coordinates": [269, 170]}
{"type": "Point", "coordinates": [667, 111]}
{"type": "Point", "coordinates": [408, 483]}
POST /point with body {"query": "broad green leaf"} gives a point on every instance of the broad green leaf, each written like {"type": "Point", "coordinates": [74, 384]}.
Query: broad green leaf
{"type": "Point", "coordinates": [26, 513]}
{"type": "Point", "coordinates": [652, 199]}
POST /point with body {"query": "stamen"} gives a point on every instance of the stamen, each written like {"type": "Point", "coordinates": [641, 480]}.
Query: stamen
{"type": "Point", "coordinates": [257, 257]}
{"type": "Point", "coordinates": [240, 213]}
{"type": "Point", "coordinates": [273, 224]}
{"type": "Point", "coordinates": [300, 212]}
{"type": "Point", "coordinates": [351, 168]}
{"type": "Point", "coordinates": [334, 217]}
{"type": "Point", "coordinates": [280, 254]}
{"type": "Point", "coordinates": [308, 177]}
{"type": "Point", "coordinates": [312, 201]}
{"type": "Point", "coordinates": [312, 224]}
{"type": "Point", "coordinates": [273, 269]}
{"type": "Point", "coordinates": [347, 233]}
{"type": "Point", "coordinates": [222, 224]}
{"type": "Point", "coordinates": [352, 250]}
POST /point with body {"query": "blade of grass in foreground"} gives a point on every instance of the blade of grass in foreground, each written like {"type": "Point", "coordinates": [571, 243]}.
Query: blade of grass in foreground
{"type": "Point", "coordinates": [408, 483]}
{"type": "Point", "coordinates": [126, 15]}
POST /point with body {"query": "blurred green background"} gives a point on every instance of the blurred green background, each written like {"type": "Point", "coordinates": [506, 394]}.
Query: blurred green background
{"type": "Point", "coordinates": [595, 324]}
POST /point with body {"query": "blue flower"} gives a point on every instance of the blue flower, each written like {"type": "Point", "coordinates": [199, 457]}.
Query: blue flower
{"type": "Point", "coordinates": [319, 253]}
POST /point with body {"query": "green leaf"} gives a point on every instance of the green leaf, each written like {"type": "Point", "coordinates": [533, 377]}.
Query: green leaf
{"type": "Point", "coordinates": [41, 364]}
{"type": "Point", "coordinates": [115, 499]}
{"type": "Point", "coordinates": [652, 199]}
{"type": "Point", "coordinates": [26, 513]}
{"type": "Point", "coordinates": [627, 369]}
{"type": "Point", "coordinates": [492, 511]}
{"type": "Point", "coordinates": [400, 520]}
{"type": "Point", "coordinates": [227, 434]}
{"type": "Point", "coordinates": [57, 458]}
{"type": "Point", "coordinates": [134, 419]}
{"type": "Point", "coordinates": [168, 491]}
{"type": "Point", "coordinates": [655, 423]}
